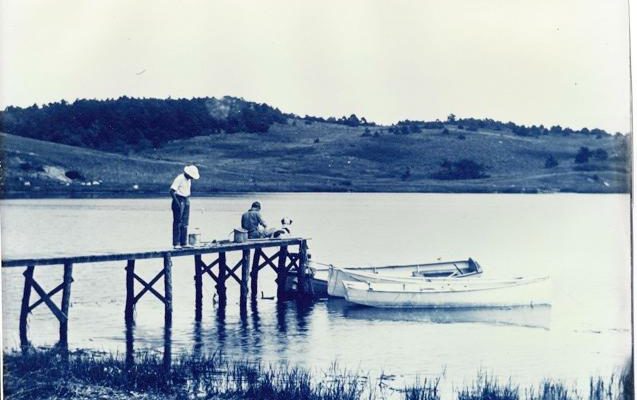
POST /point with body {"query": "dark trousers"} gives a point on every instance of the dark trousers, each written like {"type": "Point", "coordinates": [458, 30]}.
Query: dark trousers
{"type": "Point", "coordinates": [181, 215]}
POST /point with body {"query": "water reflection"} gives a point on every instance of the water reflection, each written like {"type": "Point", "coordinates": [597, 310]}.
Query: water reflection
{"type": "Point", "coordinates": [246, 332]}
{"type": "Point", "coordinates": [130, 343]}
{"type": "Point", "coordinates": [303, 310]}
{"type": "Point", "coordinates": [197, 340]}
{"type": "Point", "coordinates": [256, 319]}
{"type": "Point", "coordinates": [281, 317]}
{"type": "Point", "coordinates": [221, 323]}
{"type": "Point", "coordinates": [167, 346]}
{"type": "Point", "coordinates": [530, 317]}
{"type": "Point", "coordinates": [244, 329]}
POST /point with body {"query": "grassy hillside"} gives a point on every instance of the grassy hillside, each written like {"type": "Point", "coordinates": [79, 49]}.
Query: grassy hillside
{"type": "Point", "coordinates": [298, 156]}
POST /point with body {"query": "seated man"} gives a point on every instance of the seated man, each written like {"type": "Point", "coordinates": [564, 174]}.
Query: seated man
{"type": "Point", "coordinates": [251, 220]}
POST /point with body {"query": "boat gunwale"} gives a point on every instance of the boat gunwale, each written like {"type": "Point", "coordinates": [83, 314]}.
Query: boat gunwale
{"type": "Point", "coordinates": [353, 284]}
{"type": "Point", "coordinates": [403, 265]}
{"type": "Point", "coordinates": [411, 279]}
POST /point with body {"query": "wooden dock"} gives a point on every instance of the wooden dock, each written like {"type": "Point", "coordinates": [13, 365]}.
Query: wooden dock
{"type": "Point", "coordinates": [288, 256]}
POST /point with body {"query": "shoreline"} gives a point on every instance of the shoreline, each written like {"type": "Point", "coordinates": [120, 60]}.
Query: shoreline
{"type": "Point", "coordinates": [115, 194]}
{"type": "Point", "coordinates": [53, 373]}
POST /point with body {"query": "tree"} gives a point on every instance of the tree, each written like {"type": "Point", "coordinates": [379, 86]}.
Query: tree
{"type": "Point", "coordinates": [550, 162]}
{"type": "Point", "coordinates": [463, 169]}
{"type": "Point", "coordinates": [407, 174]}
{"type": "Point", "coordinates": [600, 154]}
{"type": "Point", "coordinates": [451, 118]}
{"type": "Point", "coordinates": [582, 155]}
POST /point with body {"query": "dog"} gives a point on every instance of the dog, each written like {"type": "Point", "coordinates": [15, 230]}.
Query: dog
{"type": "Point", "coordinates": [284, 230]}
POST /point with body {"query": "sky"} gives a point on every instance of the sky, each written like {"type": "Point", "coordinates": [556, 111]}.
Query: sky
{"type": "Point", "coordinates": [550, 62]}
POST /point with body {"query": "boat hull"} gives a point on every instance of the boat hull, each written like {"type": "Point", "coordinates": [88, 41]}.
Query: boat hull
{"type": "Point", "coordinates": [465, 294]}
{"type": "Point", "coordinates": [319, 287]}
{"type": "Point", "coordinates": [417, 272]}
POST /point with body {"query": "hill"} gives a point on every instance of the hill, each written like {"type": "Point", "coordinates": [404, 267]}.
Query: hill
{"type": "Point", "coordinates": [303, 155]}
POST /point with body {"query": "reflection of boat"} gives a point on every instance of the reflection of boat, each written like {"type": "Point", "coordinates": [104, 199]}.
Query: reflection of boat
{"type": "Point", "coordinates": [531, 317]}
{"type": "Point", "coordinates": [416, 272]}
{"type": "Point", "coordinates": [450, 293]}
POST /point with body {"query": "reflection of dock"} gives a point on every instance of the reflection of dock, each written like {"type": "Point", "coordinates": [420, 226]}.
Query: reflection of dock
{"type": "Point", "coordinates": [240, 262]}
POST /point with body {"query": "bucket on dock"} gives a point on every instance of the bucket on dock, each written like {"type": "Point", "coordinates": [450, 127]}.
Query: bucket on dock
{"type": "Point", "coordinates": [194, 239]}
{"type": "Point", "coordinates": [240, 235]}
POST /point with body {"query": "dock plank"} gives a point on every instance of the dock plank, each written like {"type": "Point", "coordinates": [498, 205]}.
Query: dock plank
{"type": "Point", "coordinates": [105, 256]}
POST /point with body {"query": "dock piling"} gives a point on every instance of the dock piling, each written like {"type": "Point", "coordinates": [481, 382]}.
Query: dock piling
{"type": "Point", "coordinates": [198, 287]}
{"type": "Point", "coordinates": [221, 278]}
{"type": "Point", "coordinates": [282, 272]}
{"type": "Point", "coordinates": [24, 310]}
{"type": "Point", "coordinates": [130, 292]}
{"type": "Point", "coordinates": [302, 284]}
{"type": "Point", "coordinates": [66, 302]}
{"type": "Point", "coordinates": [254, 274]}
{"type": "Point", "coordinates": [245, 274]}
{"type": "Point", "coordinates": [168, 291]}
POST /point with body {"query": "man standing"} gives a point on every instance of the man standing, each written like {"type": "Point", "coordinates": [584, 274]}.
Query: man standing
{"type": "Point", "coordinates": [180, 192]}
{"type": "Point", "coordinates": [251, 220]}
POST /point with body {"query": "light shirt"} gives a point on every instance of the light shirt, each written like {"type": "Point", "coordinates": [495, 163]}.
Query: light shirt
{"type": "Point", "coordinates": [181, 185]}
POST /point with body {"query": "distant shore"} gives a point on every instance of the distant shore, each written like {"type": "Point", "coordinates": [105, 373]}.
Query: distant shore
{"type": "Point", "coordinates": [143, 194]}
{"type": "Point", "coordinates": [324, 157]}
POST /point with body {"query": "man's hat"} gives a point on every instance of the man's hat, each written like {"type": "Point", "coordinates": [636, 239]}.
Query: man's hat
{"type": "Point", "coordinates": [192, 171]}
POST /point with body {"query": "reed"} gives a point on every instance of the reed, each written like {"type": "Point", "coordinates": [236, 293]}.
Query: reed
{"type": "Point", "coordinates": [488, 387]}
{"type": "Point", "coordinates": [50, 373]}
{"type": "Point", "coordinates": [426, 390]}
{"type": "Point", "coordinates": [53, 374]}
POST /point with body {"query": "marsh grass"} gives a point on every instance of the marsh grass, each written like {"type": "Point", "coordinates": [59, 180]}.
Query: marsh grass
{"type": "Point", "coordinates": [49, 374]}
{"type": "Point", "coordinates": [488, 387]}
{"type": "Point", "coordinates": [427, 390]}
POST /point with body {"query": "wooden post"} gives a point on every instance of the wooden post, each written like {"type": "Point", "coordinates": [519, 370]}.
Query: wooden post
{"type": "Point", "coordinates": [302, 283]}
{"type": "Point", "coordinates": [282, 273]}
{"type": "Point", "coordinates": [254, 274]}
{"type": "Point", "coordinates": [221, 284]}
{"type": "Point", "coordinates": [66, 302]}
{"type": "Point", "coordinates": [198, 287]}
{"type": "Point", "coordinates": [168, 291]}
{"type": "Point", "coordinates": [245, 277]}
{"type": "Point", "coordinates": [24, 310]}
{"type": "Point", "coordinates": [129, 309]}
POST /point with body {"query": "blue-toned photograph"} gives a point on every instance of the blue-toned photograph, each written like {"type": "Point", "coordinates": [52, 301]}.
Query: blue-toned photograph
{"type": "Point", "coordinates": [317, 200]}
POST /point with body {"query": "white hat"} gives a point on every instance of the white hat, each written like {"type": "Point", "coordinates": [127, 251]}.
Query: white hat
{"type": "Point", "coordinates": [192, 171]}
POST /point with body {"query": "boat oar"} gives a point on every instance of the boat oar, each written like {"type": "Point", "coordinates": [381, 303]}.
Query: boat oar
{"type": "Point", "coordinates": [459, 270]}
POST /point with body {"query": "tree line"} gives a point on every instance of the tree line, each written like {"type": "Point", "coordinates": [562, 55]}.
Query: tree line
{"type": "Point", "coordinates": [126, 123]}
{"type": "Point", "coordinates": [473, 125]}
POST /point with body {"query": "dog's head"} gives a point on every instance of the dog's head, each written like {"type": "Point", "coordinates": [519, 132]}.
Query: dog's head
{"type": "Point", "coordinates": [286, 221]}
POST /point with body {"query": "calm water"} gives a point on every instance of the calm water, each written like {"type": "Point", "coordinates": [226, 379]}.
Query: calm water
{"type": "Point", "coordinates": [581, 241]}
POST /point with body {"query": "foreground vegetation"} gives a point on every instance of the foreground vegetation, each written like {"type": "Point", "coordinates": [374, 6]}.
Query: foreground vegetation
{"type": "Point", "coordinates": [49, 374]}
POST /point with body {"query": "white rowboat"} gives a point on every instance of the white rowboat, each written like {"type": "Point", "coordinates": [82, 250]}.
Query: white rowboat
{"type": "Point", "coordinates": [416, 273]}
{"type": "Point", "coordinates": [465, 293]}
